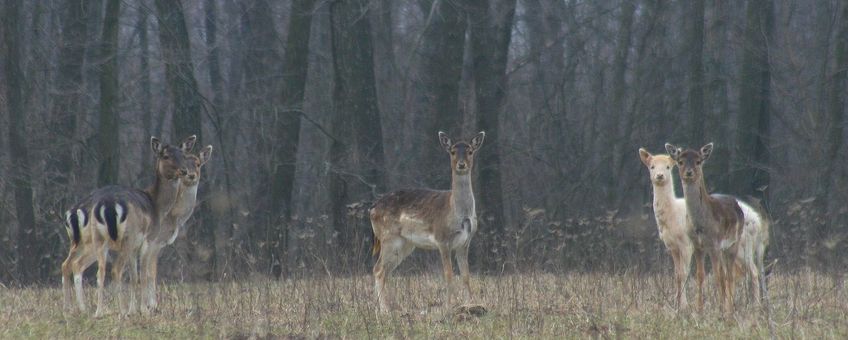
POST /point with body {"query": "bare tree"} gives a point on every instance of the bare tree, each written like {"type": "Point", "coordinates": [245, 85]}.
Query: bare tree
{"type": "Point", "coordinates": [490, 32]}
{"type": "Point", "coordinates": [357, 167]}
{"type": "Point", "coordinates": [109, 130]}
{"type": "Point", "coordinates": [26, 236]}
{"type": "Point", "coordinates": [753, 124]}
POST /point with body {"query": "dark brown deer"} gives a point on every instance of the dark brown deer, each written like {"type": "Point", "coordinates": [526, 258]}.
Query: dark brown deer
{"type": "Point", "coordinates": [428, 219]}
{"type": "Point", "coordinates": [717, 220]}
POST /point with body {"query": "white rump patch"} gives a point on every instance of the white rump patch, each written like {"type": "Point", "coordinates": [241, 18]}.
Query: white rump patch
{"type": "Point", "coordinates": [174, 236]}
{"type": "Point", "coordinates": [726, 244]}
{"type": "Point", "coordinates": [81, 218]}
{"type": "Point", "coordinates": [119, 212]}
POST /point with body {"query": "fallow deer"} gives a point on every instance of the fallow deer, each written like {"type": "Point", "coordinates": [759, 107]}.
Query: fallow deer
{"type": "Point", "coordinates": [166, 232]}
{"type": "Point", "coordinates": [118, 218]}
{"type": "Point", "coordinates": [752, 245]}
{"type": "Point", "coordinates": [672, 222]}
{"type": "Point", "coordinates": [717, 220]}
{"type": "Point", "coordinates": [428, 219]}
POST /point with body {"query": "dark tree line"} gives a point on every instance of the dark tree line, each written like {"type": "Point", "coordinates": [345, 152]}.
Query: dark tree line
{"type": "Point", "coordinates": [319, 107]}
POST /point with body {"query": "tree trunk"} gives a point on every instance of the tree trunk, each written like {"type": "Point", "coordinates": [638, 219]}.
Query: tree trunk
{"type": "Point", "coordinates": [27, 242]}
{"type": "Point", "coordinates": [108, 141]}
{"type": "Point", "coordinates": [188, 106]}
{"type": "Point", "coordinates": [287, 127]}
{"type": "Point", "coordinates": [490, 32]}
{"type": "Point", "coordinates": [146, 94]}
{"type": "Point", "coordinates": [615, 137]}
{"type": "Point", "coordinates": [179, 70]}
{"type": "Point", "coordinates": [68, 98]}
{"type": "Point", "coordinates": [752, 140]}
{"type": "Point", "coordinates": [432, 98]}
{"type": "Point", "coordinates": [833, 132]}
{"type": "Point", "coordinates": [356, 153]}
{"type": "Point", "coordinates": [696, 72]}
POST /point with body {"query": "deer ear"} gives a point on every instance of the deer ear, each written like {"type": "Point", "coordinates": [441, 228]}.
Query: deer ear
{"type": "Point", "coordinates": [188, 144]}
{"type": "Point", "coordinates": [673, 151]}
{"type": "Point", "coordinates": [205, 154]}
{"type": "Point", "coordinates": [645, 156]}
{"type": "Point", "coordinates": [445, 141]}
{"type": "Point", "coordinates": [156, 145]}
{"type": "Point", "coordinates": [706, 151]}
{"type": "Point", "coordinates": [477, 141]}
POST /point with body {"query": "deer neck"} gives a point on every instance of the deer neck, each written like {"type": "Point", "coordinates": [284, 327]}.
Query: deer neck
{"type": "Point", "coordinates": [664, 197]}
{"type": "Point", "coordinates": [462, 197]}
{"type": "Point", "coordinates": [698, 203]}
{"type": "Point", "coordinates": [163, 192]}
{"type": "Point", "coordinates": [185, 202]}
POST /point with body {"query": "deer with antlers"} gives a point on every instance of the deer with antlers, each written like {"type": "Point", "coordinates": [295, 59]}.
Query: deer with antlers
{"type": "Point", "coordinates": [118, 218]}
{"type": "Point", "coordinates": [428, 219]}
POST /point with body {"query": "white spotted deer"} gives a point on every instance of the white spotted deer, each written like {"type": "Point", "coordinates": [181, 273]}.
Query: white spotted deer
{"type": "Point", "coordinates": [673, 223]}
{"type": "Point", "coordinates": [429, 219]}
{"type": "Point", "coordinates": [118, 218]}
{"type": "Point", "coordinates": [166, 232]}
{"type": "Point", "coordinates": [717, 220]}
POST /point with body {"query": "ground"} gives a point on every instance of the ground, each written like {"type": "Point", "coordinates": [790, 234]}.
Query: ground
{"type": "Point", "coordinates": [536, 305]}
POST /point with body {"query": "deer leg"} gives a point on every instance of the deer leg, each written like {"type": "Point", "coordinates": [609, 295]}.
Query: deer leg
{"type": "Point", "coordinates": [67, 273]}
{"type": "Point", "coordinates": [118, 281]}
{"type": "Point", "coordinates": [447, 266]}
{"type": "Point", "coordinates": [152, 299]}
{"type": "Point", "coordinates": [79, 266]}
{"type": "Point", "coordinates": [134, 284]}
{"type": "Point", "coordinates": [679, 278]}
{"type": "Point", "coordinates": [101, 279]}
{"type": "Point", "coordinates": [462, 261]}
{"type": "Point", "coordinates": [700, 274]}
{"type": "Point", "coordinates": [393, 252]}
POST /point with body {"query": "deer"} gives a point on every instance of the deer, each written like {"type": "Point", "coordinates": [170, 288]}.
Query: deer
{"type": "Point", "coordinates": [166, 232]}
{"type": "Point", "coordinates": [673, 223]}
{"type": "Point", "coordinates": [429, 219]}
{"type": "Point", "coordinates": [717, 220]}
{"type": "Point", "coordinates": [752, 246]}
{"type": "Point", "coordinates": [118, 218]}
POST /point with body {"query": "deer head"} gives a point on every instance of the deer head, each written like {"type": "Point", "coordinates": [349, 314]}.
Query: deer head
{"type": "Point", "coordinates": [690, 162]}
{"type": "Point", "coordinates": [170, 160]}
{"type": "Point", "coordinates": [461, 153]}
{"type": "Point", "coordinates": [658, 165]}
{"type": "Point", "coordinates": [193, 165]}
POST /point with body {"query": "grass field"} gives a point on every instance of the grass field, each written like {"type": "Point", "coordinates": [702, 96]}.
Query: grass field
{"type": "Point", "coordinates": [538, 305]}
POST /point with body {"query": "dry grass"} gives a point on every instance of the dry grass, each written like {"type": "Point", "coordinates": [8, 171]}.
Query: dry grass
{"type": "Point", "coordinates": [523, 306]}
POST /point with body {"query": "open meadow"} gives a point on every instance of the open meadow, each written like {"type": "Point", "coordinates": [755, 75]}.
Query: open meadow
{"type": "Point", "coordinates": [536, 305]}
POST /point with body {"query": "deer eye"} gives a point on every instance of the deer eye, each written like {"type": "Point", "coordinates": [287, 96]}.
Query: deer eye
{"type": "Point", "coordinates": [680, 163]}
{"type": "Point", "coordinates": [652, 167]}
{"type": "Point", "coordinates": [697, 162]}
{"type": "Point", "coordinates": [668, 167]}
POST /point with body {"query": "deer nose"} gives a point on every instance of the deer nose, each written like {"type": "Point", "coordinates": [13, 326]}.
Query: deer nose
{"type": "Point", "coordinates": [660, 176]}
{"type": "Point", "coordinates": [192, 176]}
{"type": "Point", "coordinates": [183, 172]}
{"type": "Point", "coordinates": [690, 173]}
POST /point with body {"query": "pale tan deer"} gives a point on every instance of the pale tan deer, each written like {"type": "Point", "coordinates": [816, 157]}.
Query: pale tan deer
{"type": "Point", "coordinates": [717, 220]}
{"type": "Point", "coordinates": [673, 223]}
{"type": "Point", "coordinates": [428, 219]}
{"type": "Point", "coordinates": [166, 232]}
{"type": "Point", "coordinates": [118, 219]}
